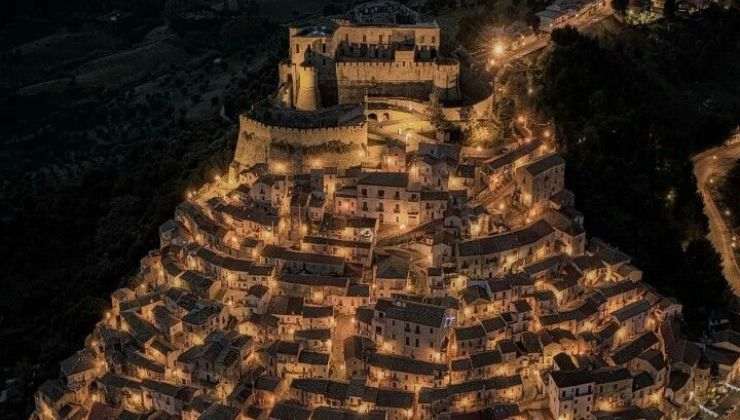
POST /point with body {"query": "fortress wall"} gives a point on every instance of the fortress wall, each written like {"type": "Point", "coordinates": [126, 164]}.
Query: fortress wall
{"type": "Point", "coordinates": [479, 110]}
{"type": "Point", "coordinates": [295, 162]}
{"type": "Point", "coordinates": [350, 134]}
{"type": "Point", "coordinates": [255, 138]}
{"type": "Point", "coordinates": [385, 71]}
{"type": "Point", "coordinates": [354, 92]}
{"type": "Point", "coordinates": [250, 149]}
{"type": "Point", "coordinates": [409, 104]}
{"type": "Point", "coordinates": [422, 37]}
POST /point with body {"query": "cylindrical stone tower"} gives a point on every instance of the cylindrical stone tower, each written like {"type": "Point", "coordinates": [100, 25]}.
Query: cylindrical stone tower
{"type": "Point", "coordinates": [307, 89]}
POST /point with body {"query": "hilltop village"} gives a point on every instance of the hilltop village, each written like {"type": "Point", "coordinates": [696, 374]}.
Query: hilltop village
{"type": "Point", "coordinates": [359, 260]}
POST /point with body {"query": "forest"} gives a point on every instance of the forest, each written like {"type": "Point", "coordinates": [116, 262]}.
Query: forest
{"type": "Point", "coordinates": [630, 110]}
{"type": "Point", "coordinates": [104, 127]}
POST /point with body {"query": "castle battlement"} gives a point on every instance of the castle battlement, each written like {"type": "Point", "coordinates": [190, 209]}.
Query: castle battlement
{"type": "Point", "coordinates": [257, 127]}
{"type": "Point", "coordinates": [424, 64]}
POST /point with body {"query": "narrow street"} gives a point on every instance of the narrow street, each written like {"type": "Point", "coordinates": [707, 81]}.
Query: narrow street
{"type": "Point", "coordinates": [343, 328]}
{"type": "Point", "coordinates": [543, 39]}
{"type": "Point", "coordinates": [709, 167]}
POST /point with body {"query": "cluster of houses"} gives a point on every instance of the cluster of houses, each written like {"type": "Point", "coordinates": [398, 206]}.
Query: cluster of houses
{"type": "Point", "coordinates": [435, 283]}
{"type": "Point", "coordinates": [390, 294]}
{"type": "Point", "coordinates": [561, 12]}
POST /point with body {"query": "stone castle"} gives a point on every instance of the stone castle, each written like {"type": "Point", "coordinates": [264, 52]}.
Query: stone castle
{"type": "Point", "coordinates": [380, 62]}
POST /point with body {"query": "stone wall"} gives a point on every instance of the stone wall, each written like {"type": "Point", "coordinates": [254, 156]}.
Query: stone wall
{"type": "Point", "coordinates": [475, 111]}
{"type": "Point", "coordinates": [387, 71]}
{"type": "Point", "coordinates": [256, 137]}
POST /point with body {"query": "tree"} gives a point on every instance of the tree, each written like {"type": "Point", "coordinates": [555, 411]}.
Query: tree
{"type": "Point", "coordinates": [669, 8]}
{"type": "Point", "coordinates": [534, 22]}
{"type": "Point", "coordinates": [620, 6]}
{"type": "Point", "coordinates": [332, 9]}
{"type": "Point", "coordinates": [565, 36]}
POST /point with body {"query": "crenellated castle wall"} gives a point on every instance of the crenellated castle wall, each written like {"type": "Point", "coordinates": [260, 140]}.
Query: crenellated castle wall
{"type": "Point", "coordinates": [396, 78]}
{"type": "Point", "coordinates": [385, 71]}
{"type": "Point", "coordinates": [255, 138]}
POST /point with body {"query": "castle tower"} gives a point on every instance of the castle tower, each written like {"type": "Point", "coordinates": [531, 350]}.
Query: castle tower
{"type": "Point", "coordinates": [446, 75]}
{"type": "Point", "coordinates": [307, 87]}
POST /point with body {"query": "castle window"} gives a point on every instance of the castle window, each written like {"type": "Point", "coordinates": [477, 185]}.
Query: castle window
{"type": "Point", "coordinates": [380, 39]}
{"type": "Point", "coordinates": [297, 48]}
{"type": "Point", "coordinates": [423, 38]}
{"type": "Point", "coordinates": [323, 47]}
{"type": "Point", "coordinates": [364, 39]}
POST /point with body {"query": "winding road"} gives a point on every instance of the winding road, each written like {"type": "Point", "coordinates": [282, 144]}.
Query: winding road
{"type": "Point", "coordinates": [710, 166]}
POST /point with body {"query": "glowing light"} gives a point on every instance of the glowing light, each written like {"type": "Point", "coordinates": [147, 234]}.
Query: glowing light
{"type": "Point", "coordinates": [217, 178]}
{"type": "Point", "coordinates": [546, 134]}
{"type": "Point", "coordinates": [521, 119]}
{"type": "Point", "coordinates": [499, 48]}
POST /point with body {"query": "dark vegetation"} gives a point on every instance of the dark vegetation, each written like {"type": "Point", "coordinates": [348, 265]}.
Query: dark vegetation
{"type": "Point", "coordinates": [729, 194]}
{"type": "Point", "coordinates": [630, 111]}
{"type": "Point", "coordinates": [91, 166]}
{"type": "Point", "coordinates": [476, 29]}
